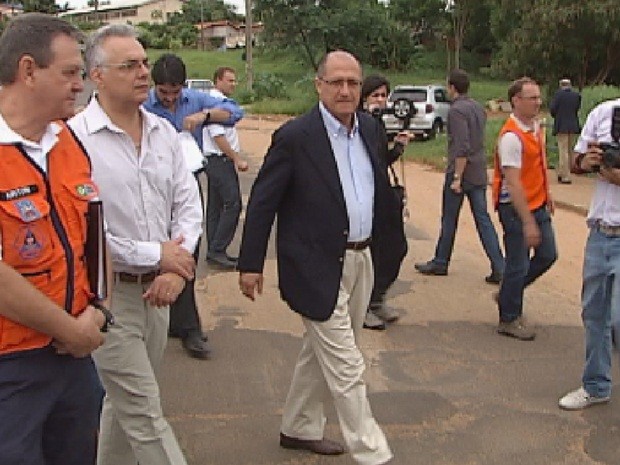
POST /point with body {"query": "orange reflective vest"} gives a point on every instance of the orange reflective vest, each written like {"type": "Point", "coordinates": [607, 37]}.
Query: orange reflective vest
{"type": "Point", "coordinates": [43, 229]}
{"type": "Point", "coordinates": [533, 166]}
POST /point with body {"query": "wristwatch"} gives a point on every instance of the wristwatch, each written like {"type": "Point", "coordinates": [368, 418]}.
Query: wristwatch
{"type": "Point", "coordinates": [456, 177]}
{"type": "Point", "coordinates": [207, 114]}
{"type": "Point", "coordinates": [109, 318]}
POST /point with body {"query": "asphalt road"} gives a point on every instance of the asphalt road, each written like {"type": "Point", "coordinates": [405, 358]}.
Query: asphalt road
{"type": "Point", "coordinates": [445, 387]}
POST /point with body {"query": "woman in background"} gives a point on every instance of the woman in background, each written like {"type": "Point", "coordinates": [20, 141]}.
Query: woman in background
{"type": "Point", "coordinates": [375, 91]}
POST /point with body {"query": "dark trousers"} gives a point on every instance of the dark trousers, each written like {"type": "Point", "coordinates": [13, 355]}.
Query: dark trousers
{"type": "Point", "coordinates": [184, 319]}
{"type": "Point", "coordinates": [450, 211]}
{"type": "Point", "coordinates": [49, 409]}
{"type": "Point", "coordinates": [522, 269]}
{"type": "Point", "coordinates": [223, 203]}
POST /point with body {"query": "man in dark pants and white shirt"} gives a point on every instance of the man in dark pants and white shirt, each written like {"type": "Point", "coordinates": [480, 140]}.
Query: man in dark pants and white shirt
{"type": "Point", "coordinates": [466, 175]}
{"type": "Point", "coordinates": [221, 149]}
{"type": "Point", "coordinates": [189, 110]}
{"type": "Point", "coordinates": [564, 108]}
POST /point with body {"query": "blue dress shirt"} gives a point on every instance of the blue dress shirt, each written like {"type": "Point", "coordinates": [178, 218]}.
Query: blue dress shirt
{"type": "Point", "coordinates": [192, 101]}
{"type": "Point", "coordinates": [355, 171]}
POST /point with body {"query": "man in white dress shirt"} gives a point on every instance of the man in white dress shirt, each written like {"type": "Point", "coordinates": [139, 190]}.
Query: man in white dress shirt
{"type": "Point", "coordinates": [221, 149]}
{"type": "Point", "coordinates": [154, 220]}
{"type": "Point", "coordinates": [600, 295]}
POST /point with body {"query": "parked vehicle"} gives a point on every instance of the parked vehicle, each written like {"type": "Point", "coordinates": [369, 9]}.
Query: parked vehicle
{"type": "Point", "coordinates": [202, 85]}
{"type": "Point", "coordinates": [431, 110]}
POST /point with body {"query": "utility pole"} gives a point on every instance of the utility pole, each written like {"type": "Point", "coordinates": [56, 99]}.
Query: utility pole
{"type": "Point", "coordinates": [249, 67]}
{"type": "Point", "coordinates": [202, 26]}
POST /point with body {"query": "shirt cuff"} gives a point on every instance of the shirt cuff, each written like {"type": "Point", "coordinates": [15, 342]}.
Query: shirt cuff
{"type": "Point", "coordinates": [150, 252]}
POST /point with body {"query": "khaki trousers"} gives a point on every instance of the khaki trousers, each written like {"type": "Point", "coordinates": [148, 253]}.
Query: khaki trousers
{"type": "Point", "coordinates": [565, 148]}
{"type": "Point", "coordinates": [133, 428]}
{"type": "Point", "coordinates": [330, 362]}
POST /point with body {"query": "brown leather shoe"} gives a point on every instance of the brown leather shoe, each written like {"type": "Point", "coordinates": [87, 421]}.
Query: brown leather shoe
{"type": "Point", "coordinates": [318, 446]}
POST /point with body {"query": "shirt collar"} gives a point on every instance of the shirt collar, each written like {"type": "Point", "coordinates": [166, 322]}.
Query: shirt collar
{"type": "Point", "coordinates": [334, 126]}
{"type": "Point", "coordinates": [524, 127]}
{"type": "Point", "coordinates": [96, 119]}
{"type": "Point", "coordinates": [10, 137]}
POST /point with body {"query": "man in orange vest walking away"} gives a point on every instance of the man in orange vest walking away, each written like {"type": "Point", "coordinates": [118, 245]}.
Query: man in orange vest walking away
{"type": "Point", "coordinates": [522, 199]}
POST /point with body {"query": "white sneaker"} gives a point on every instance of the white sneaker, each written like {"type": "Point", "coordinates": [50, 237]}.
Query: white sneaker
{"type": "Point", "coordinates": [580, 399]}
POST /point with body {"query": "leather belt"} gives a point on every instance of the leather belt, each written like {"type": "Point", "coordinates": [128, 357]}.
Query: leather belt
{"type": "Point", "coordinates": [607, 230]}
{"type": "Point", "coordinates": [136, 278]}
{"type": "Point", "coordinates": [214, 154]}
{"type": "Point", "coordinates": [360, 245]}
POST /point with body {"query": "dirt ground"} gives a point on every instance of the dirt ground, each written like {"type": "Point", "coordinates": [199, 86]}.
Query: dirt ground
{"type": "Point", "coordinates": [562, 281]}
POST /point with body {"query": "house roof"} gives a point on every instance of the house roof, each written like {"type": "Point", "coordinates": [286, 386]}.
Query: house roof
{"type": "Point", "coordinates": [106, 5]}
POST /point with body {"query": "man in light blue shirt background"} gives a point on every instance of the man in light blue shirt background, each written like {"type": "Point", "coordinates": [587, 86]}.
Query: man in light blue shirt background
{"type": "Point", "coordinates": [187, 110]}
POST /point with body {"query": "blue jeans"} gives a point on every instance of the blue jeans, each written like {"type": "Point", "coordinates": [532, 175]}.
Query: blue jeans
{"type": "Point", "coordinates": [450, 211]}
{"type": "Point", "coordinates": [600, 299]}
{"type": "Point", "coordinates": [522, 269]}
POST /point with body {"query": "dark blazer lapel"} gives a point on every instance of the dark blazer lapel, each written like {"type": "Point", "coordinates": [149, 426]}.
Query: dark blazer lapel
{"type": "Point", "coordinates": [321, 155]}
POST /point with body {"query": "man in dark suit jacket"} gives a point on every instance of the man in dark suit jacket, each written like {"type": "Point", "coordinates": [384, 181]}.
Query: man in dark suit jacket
{"type": "Point", "coordinates": [564, 108]}
{"type": "Point", "coordinates": [324, 179]}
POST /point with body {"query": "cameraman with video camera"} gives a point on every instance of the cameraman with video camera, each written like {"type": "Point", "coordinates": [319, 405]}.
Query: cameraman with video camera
{"type": "Point", "coordinates": [374, 95]}
{"type": "Point", "coordinates": [598, 151]}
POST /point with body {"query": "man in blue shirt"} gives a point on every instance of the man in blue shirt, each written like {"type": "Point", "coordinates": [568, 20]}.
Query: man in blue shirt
{"type": "Point", "coordinates": [186, 109]}
{"type": "Point", "coordinates": [189, 110]}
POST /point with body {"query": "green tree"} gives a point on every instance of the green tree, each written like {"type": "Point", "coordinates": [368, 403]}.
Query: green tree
{"type": "Point", "coordinates": [208, 10]}
{"type": "Point", "coordinates": [316, 27]}
{"type": "Point", "coordinates": [550, 39]}
{"type": "Point", "coordinates": [41, 6]}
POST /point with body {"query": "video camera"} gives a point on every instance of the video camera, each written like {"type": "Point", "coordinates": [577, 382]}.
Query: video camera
{"type": "Point", "coordinates": [611, 150]}
{"type": "Point", "coordinates": [402, 108]}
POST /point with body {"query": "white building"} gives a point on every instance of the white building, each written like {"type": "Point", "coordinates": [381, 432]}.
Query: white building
{"type": "Point", "coordinates": [127, 11]}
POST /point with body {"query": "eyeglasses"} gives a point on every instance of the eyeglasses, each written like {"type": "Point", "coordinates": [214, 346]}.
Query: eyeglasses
{"type": "Point", "coordinates": [129, 65]}
{"type": "Point", "coordinates": [339, 83]}
{"type": "Point", "coordinates": [378, 95]}
{"type": "Point", "coordinates": [530, 97]}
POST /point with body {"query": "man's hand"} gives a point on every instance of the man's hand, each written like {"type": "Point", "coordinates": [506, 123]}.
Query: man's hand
{"type": "Point", "coordinates": [194, 121]}
{"type": "Point", "coordinates": [456, 186]}
{"type": "Point", "coordinates": [550, 204]}
{"type": "Point", "coordinates": [164, 289]}
{"type": "Point", "coordinates": [86, 335]}
{"type": "Point", "coordinates": [241, 165]}
{"type": "Point", "coordinates": [592, 157]}
{"type": "Point", "coordinates": [250, 282]}
{"type": "Point", "coordinates": [403, 137]}
{"type": "Point", "coordinates": [531, 234]}
{"type": "Point", "coordinates": [175, 259]}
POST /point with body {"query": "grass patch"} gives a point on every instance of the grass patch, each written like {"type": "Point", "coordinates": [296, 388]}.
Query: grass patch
{"type": "Point", "coordinates": [434, 152]}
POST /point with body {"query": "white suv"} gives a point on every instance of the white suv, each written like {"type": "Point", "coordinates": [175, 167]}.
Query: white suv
{"type": "Point", "coordinates": [431, 110]}
{"type": "Point", "coordinates": [202, 85]}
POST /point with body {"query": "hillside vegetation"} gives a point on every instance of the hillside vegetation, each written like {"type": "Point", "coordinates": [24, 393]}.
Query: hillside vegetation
{"type": "Point", "coordinates": [284, 85]}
